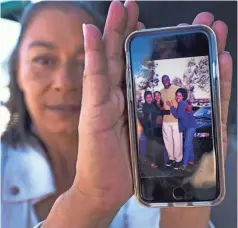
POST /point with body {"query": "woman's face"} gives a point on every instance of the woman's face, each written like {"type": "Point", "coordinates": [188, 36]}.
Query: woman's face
{"type": "Point", "coordinates": [179, 97]}
{"type": "Point", "coordinates": [157, 96]}
{"type": "Point", "coordinates": [50, 71]}
{"type": "Point", "coordinates": [149, 98]}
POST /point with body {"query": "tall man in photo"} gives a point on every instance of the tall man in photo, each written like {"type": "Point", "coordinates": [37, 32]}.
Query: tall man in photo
{"type": "Point", "coordinates": [171, 135]}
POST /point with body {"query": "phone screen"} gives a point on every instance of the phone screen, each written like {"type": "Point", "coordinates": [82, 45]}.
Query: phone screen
{"type": "Point", "coordinates": [171, 77]}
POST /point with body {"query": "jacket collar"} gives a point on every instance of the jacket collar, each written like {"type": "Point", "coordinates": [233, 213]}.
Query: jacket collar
{"type": "Point", "coordinates": [27, 174]}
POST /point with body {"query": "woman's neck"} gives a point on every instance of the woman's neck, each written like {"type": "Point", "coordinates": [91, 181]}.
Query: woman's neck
{"type": "Point", "coordinates": [62, 150]}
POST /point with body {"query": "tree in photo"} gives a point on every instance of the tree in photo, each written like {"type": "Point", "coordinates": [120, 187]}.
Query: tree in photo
{"type": "Point", "coordinates": [146, 78]}
{"type": "Point", "coordinates": [178, 82]}
{"type": "Point", "coordinates": [195, 74]}
{"type": "Point", "coordinates": [202, 78]}
{"type": "Point", "coordinates": [189, 76]}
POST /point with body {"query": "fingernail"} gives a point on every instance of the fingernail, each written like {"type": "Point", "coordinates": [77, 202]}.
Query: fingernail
{"type": "Point", "coordinates": [227, 52]}
{"type": "Point", "coordinates": [127, 1]}
{"type": "Point", "coordinates": [140, 25]}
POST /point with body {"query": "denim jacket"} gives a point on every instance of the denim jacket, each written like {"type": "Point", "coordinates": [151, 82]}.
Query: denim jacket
{"type": "Point", "coordinates": [185, 119]}
{"type": "Point", "coordinates": [27, 178]}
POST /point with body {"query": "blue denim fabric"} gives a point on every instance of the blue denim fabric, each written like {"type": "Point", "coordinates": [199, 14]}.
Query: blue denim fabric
{"type": "Point", "coordinates": [185, 119]}
{"type": "Point", "coordinates": [188, 154]}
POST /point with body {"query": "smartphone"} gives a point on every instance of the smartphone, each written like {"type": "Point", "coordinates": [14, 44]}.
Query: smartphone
{"type": "Point", "coordinates": [173, 95]}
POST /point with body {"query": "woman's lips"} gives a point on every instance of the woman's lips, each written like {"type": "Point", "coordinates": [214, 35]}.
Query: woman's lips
{"type": "Point", "coordinates": [64, 108]}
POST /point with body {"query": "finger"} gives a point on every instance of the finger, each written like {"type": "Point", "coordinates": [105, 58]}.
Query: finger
{"type": "Point", "coordinates": [204, 18]}
{"type": "Point", "coordinates": [221, 31]}
{"type": "Point", "coordinates": [225, 65]}
{"type": "Point", "coordinates": [95, 82]}
{"type": "Point", "coordinates": [114, 39]}
{"type": "Point", "coordinates": [140, 26]}
{"type": "Point", "coordinates": [132, 16]}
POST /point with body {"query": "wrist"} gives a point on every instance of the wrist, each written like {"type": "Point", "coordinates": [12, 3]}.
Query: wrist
{"type": "Point", "coordinates": [74, 210]}
{"type": "Point", "coordinates": [197, 217]}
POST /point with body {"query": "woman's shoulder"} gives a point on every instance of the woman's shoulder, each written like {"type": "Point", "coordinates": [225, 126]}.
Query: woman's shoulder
{"type": "Point", "coordinates": [25, 155]}
{"type": "Point", "coordinates": [24, 149]}
{"type": "Point", "coordinates": [182, 104]}
{"type": "Point", "coordinates": [22, 157]}
{"type": "Point", "coordinates": [144, 104]}
{"type": "Point", "coordinates": [27, 168]}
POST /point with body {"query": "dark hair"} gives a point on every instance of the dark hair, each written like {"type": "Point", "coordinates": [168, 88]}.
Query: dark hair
{"type": "Point", "coordinates": [161, 102]}
{"type": "Point", "coordinates": [147, 93]}
{"type": "Point", "coordinates": [164, 76]}
{"type": "Point", "coordinates": [19, 126]}
{"type": "Point", "coordinates": [184, 93]}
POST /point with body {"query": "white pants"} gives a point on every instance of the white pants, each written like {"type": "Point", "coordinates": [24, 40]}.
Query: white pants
{"type": "Point", "coordinates": [173, 141]}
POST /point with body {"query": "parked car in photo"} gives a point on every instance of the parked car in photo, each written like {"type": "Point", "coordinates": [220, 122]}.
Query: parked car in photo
{"type": "Point", "coordinates": [203, 135]}
{"type": "Point", "coordinates": [195, 108]}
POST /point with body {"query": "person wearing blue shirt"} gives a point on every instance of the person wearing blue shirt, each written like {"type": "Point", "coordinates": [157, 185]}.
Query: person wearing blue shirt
{"type": "Point", "coordinates": [187, 124]}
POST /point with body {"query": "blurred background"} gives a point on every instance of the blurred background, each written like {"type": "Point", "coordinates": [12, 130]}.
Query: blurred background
{"type": "Point", "coordinates": [152, 14]}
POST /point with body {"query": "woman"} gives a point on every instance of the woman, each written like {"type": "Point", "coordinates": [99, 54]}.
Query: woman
{"type": "Point", "coordinates": [55, 167]}
{"type": "Point", "coordinates": [159, 105]}
{"type": "Point", "coordinates": [42, 145]}
{"type": "Point", "coordinates": [187, 124]}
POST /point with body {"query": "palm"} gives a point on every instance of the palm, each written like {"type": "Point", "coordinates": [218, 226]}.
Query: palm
{"type": "Point", "coordinates": [103, 109]}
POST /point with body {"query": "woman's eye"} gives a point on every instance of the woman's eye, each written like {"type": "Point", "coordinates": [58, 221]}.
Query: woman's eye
{"type": "Point", "coordinates": [45, 61]}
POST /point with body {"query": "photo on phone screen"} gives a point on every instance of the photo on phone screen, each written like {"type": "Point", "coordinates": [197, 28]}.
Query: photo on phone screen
{"type": "Point", "coordinates": [171, 78]}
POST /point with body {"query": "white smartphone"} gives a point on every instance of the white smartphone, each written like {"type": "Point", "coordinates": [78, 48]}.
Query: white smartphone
{"type": "Point", "coordinates": [173, 94]}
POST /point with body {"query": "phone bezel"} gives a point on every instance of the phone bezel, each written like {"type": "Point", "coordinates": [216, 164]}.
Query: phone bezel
{"type": "Point", "coordinates": [215, 92]}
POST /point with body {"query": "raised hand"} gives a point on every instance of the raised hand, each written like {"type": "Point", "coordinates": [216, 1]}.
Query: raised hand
{"type": "Point", "coordinates": [170, 103]}
{"type": "Point", "coordinates": [103, 159]}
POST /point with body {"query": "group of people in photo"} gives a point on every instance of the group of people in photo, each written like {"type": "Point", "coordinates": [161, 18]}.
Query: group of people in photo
{"type": "Point", "coordinates": [168, 114]}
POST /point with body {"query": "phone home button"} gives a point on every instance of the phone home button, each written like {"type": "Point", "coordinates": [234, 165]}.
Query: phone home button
{"type": "Point", "coordinates": [178, 193]}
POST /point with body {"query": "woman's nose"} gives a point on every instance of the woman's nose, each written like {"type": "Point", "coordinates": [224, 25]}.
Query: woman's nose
{"type": "Point", "coordinates": [66, 78]}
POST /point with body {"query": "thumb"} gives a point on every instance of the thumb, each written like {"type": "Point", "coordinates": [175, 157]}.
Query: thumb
{"type": "Point", "coordinates": [97, 98]}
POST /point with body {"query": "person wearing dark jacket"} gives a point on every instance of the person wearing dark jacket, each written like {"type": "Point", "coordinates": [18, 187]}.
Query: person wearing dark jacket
{"type": "Point", "coordinates": [187, 124]}
{"type": "Point", "coordinates": [150, 113]}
